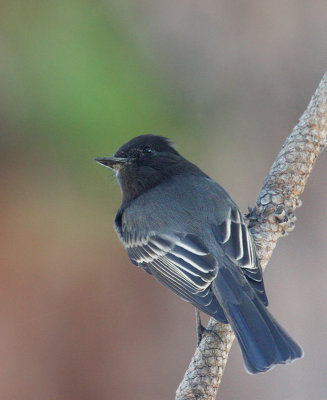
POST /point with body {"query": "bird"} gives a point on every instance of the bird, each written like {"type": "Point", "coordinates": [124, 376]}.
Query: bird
{"type": "Point", "coordinates": [183, 228]}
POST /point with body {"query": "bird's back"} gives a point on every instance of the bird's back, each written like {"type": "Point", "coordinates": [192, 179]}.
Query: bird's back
{"type": "Point", "coordinates": [186, 203]}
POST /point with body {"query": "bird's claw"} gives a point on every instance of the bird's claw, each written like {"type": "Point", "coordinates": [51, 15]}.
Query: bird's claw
{"type": "Point", "coordinates": [205, 331]}
{"type": "Point", "coordinates": [201, 330]}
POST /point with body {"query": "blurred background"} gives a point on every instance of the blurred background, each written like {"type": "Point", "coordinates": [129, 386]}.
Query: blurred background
{"type": "Point", "coordinates": [227, 82]}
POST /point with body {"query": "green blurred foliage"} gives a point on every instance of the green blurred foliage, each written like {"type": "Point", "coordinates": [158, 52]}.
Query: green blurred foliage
{"type": "Point", "coordinates": [72, 84]}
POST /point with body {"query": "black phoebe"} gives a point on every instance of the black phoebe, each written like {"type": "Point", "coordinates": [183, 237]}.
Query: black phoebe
{"type": "Point", "coordinates": [183, 228]}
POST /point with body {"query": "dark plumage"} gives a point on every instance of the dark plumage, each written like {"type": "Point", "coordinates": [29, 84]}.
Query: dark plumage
{"type": "Point", "coordinates": [183, 228]}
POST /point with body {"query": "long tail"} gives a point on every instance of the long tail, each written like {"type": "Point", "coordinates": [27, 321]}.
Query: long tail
{"type": "Point", "coordinates": [264, 343]}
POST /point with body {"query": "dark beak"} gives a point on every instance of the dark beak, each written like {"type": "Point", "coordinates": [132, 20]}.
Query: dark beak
{"type": "Point", "coordinates": [115, 163]}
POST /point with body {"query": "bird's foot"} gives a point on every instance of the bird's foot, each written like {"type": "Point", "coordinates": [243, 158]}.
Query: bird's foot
{"type": "Point", "coordinates": [201, 330]}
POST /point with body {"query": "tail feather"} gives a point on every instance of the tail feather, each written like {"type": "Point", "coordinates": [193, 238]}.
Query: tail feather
{"type": "Point", "coordinates": [264, 343]}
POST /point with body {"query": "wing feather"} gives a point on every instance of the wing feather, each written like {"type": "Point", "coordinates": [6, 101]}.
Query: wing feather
{"type": "Point", "coordinates": [235, 240]}
{"type": "Point", "coordinates": [180, 259]}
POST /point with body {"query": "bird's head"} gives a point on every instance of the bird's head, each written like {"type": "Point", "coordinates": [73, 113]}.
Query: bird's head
{"type": "Point", "coordinates": [145, 151]}
{"type": "Point", "coordinates": [144, 162]}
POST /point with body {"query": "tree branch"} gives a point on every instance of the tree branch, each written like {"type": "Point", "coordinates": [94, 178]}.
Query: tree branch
{"type": "Point", "coordinates": [272, 217]}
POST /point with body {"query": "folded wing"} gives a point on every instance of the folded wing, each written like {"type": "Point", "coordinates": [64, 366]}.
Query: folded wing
{"type": "Point", "coordinates": [180, 262]}
{"type": "Point", "coordinates": [233, 237]}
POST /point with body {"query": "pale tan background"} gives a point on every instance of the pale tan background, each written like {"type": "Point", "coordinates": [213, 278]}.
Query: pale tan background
{"type": "Point", "coordinates": [227, 81]}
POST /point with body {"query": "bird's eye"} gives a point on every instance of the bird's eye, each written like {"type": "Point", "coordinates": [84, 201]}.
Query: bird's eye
{"type": "Point", "coordinates": [147, 149]}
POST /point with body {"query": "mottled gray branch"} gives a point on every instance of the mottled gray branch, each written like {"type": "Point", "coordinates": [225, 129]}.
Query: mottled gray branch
{"type": "Point", "coordinates": [272, 217]}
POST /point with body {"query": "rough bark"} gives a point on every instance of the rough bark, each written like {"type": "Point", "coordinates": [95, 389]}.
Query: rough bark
{"type": "Point", "coordinates": [272, 217]}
